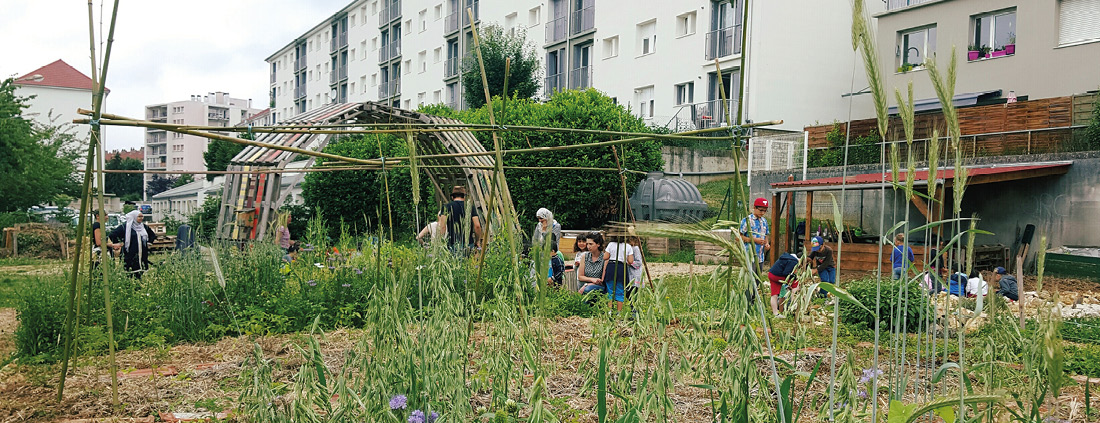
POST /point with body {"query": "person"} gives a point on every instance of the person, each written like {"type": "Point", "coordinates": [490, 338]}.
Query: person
{"type": "Point", "coordinates": [461, 234]}
{"type": "Point", "coordinates": [291, 253]}
{"type": "Point", "coordinates": [135, 237]}
{"type": "Point", "coordinates": [282, 232]}
{"type": "Point", "coordinates": [97, 249]}
{"type": "Point", "coordinates": [636, 270]}
{"type": "Point", "coordinates": [956, 284]}
{"type": "Point", "coordinates": [933, 278]}
{"type": "Point", "coordinates": [976, 286]}
{"type": "Point", "coordinates": [591, 270]}
{"type": "Point", "coordinates": [754, 232]}
{"type": "Point", "coordinates": [901, 257]}
{"type": "Point", "coordinates": [431, 232]}
{"type": "Point", "coordinates": [557, 265]}
{"type": "Point", "coordinates": [620, 257]}
{"type": "Point", "coordinates": [546, 225]}
{"type": "Point", "coordinates": [1007, 285]}
{"type": "Point", "coordinates": [782, 271]}
{"type": "Point", "coordinates": [581, 247]}
{"type": "Point", "coordinates": [822, 257]}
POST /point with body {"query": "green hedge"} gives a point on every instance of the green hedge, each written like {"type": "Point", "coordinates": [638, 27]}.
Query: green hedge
{"type": "Point", "coordinates": [865, 291]}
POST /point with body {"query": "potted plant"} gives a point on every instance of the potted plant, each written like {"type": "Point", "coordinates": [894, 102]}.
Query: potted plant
{"type": "Point", "coordinates": [905, 67]}
{"type": "Point", "coordinates": [984, 50]}
{"type": "Point", "coordinates": [974, 52]}
{"type": "Point", "coordinates": [998, 52]}
{"type": "Point", "coordinates": [1010, 48]}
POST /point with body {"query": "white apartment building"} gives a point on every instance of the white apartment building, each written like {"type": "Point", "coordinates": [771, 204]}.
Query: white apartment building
{"type": "Point", "coordinates": [58, 90]}
{"type": "Point", "coordinates": [656, 57]}
{"type": "Point", "coordinates": [178, 152]}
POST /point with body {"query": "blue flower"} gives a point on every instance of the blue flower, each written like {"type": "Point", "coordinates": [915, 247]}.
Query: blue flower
{"type": "Point", "coordinates": [417, 416]}
{"type": "Point", "coordinates": [398, 402]}
{"type": "Point", "coordinates": [433, 417]}
{"type": "Point", "coordinates": [346, 285]}
{"type": "Point", "coordinates": [869, 375]}
{"type": "Point", "coordinates": [358, 271]}
{"type": "Point", "coordinates": [312, 282]}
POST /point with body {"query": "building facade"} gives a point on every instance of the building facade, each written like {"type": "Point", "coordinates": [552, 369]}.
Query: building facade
{"type": "Point", "coordinates": [58, 90]}
{"type": "Point", "coordinates": [656, 57]}
{"type": "Point", "coordinates": [1037, 49]}
{"type": "Point", "coordinates": [171, 151]}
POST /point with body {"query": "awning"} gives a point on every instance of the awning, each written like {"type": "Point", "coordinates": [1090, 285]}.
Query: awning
{"type": "Point", "coordinates": [975, 175]}
{"type": "Point", "coordinates": [961, 100]}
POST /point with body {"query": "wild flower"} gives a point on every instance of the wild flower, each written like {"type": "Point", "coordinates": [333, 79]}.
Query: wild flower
{"type": "Point", "coordinates": [331, 268]}
{"type": "Point", "coordinates": [862, 393]}
{"type": "Point", "coordinates": [417, 416]}
{"type": "Point", "coordinates": [312, 282]}
{"type": "Point", "coordinates": [358, 271]}
{"type": "Point", "coordinates": [869, 375]}
{"type": "Point", "coordinates": [398, 402]}
{"type": "Point", "coordinates": [433, 417]}
{"type": "Point", "coordinates": [346, 285]}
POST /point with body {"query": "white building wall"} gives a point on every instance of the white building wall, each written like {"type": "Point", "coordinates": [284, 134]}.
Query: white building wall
{"type": "Point", "coordinates": [57, 106]}
{"type": "Point", "coordinates": [800, 60]}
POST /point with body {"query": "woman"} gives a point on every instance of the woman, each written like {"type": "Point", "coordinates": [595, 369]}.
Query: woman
{"type": "Point", "coordinates": [620, 257]}
{"type": "Point", "coordinates": [135, 237]}
{"type": "Point", "coordinates": [544, 227]}
{"type": "Point", "coordinates": [591, 270]}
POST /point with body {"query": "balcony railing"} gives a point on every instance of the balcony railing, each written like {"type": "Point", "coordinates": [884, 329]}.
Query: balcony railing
{"type": "Point", "coordinates": [395, 87]}
{"type": "Point", "coordinates": [300, 64]}
{"type": "Point", "coordinates": [389, 89]}
{"type": "Point", "coordinates": [712, 113]}
{"type": "Point", "coordinates": [583, 20]}
{"type": "Point", "coordinates": [395, 48]}
{"type": "Point", "coordinates": [339, 41]}
{"type": "Point", "coordinates": [218, 115]}
{"type": "Point", "coordinates": [384, 53]}
{"type": "Point", "coordinates": [158, 139]}
{"type": "Point", "coordinates": [272, 77]}
{"type": "Point", "coordinates": [580, 78]}
{"type": "Point", "coordinates": [898, 4]}
{"type": "Point", "coordinates": [299, 92]}
{"type": "Point", "coordinates": [724, 42]}
{"type": "Point", "coordinates": [557, 29]}
{"type": "Point", "coordinates": [451, 67]}
{"type": "Point", "coordinates": [554, 83]}
{"type": "Point", "coordinates": [389, 12]}
{"type": "Point", "coordinates": [466, 16]}
{"type": "Point", "coordinates": [451, 23]}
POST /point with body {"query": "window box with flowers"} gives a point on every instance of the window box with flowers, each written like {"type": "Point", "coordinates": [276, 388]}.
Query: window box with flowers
{"type": "Point", "coordinates": [995, 33]}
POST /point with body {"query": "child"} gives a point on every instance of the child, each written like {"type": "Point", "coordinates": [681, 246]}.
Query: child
{"type": "Point", "coordinates": [1007, 284]}
{"type": "Point", "coordinates": [822, 257]}
{"type": "Point", "coordinates": [620, 257]}
{"type": "Point", "coordinates": [557, 265]}
{"type": "Point", "coordinates": [956, 285]}
{"type": "Point", "coordinates": [781, 271]}
{"type": "Point", "coordinates": [901, 257]}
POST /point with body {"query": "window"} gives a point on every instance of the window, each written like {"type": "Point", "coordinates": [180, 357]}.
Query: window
{"type": "Point", "coordinates": [510, 23]}
{"type": "Point", "coordinates": [436, 96]}
{"type": "Point", "coordinates": [610, 47]}
{"type": "Point", "coordinates": [374, 8]}
{"type": "Point", "coordinates": [408, 26]}
{"type": "Point", "coordinates": [647, 38]}
{"type": "Point", "coordinates": [363, 83]}
{"type": "Point", "coordinates": [310, 75]}
{"type": "Point", "coordinates": [438, 54]}
{"type": "Point", "coordinates": [914, 47]}
{"type": "Point", "coordinates": [408, 66]}
{"type": "Point", "coordinates": [994, 34]}
{"type": "Point", "coordinates": [351, 20]}
{"type": "Point", "coordinates": [374, 44]}
{"type": "Point", "coordinates": [438, 11]}
{"type": "Point", "coordinates": [685, 24]}
{"type": "Point", "coordinates": [685, 93]}
{"type": "Point", "coordinates": [351, 86]}
{"type": "Point", "coordinates": [374, 79]}
{"type": "Point", "coordinates": [644, 97]}
{"type": "Point", "coordinates": [1078, 21]}
{"type": "Point", "coordinates": [534, 16]}
{"type": "Point", "coordinates": [363, 48]}
{"type": "Point", "coordinates": [420, 99]}
{"type": "Point", "coordinates": [423, 19]}
{"type": "Point", "coordinates": [422, 60]}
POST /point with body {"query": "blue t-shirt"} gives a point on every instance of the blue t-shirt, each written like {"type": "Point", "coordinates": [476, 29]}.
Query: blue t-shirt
{"type": "Point", "coordinates": [754, 227]}
{"type": "Point", "coordinates": [896, 256]}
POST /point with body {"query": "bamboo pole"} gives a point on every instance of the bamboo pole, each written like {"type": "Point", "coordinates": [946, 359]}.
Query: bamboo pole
{"type": "Point", "coordinates": [328, 168]}
{"type": "Point", "coordinates": [629, 210]}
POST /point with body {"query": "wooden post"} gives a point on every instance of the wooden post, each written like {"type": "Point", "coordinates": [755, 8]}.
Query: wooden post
{"type": "Point", "coordinates": [809, 215]}
{"type": "Point", "coordinates": [775, 221]}
{"type": "Point", "coordinates": [788, 237]}
{"type": "Point", "coordinates": [1020, 279]}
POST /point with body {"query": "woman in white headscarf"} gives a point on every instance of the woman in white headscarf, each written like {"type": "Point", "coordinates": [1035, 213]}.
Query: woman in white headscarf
{"type": "Point", "coordinates": [135, 237]}
{"type": "Point", "coordinates": [544, 227]}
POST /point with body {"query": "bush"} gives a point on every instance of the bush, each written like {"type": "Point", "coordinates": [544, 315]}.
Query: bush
{"type": "Point", "coordinates": [579, 199]}
{"type": "Point", "coordinates": [41, 314]}
{"type": "Point", "coordinates": [1082, 359]}
{"type": "Point", "coordinates": [864, 290]}
{"type": "Point", "coordinates": [863, 149]}
{"type": "Point", "coordinates": [205, 221]}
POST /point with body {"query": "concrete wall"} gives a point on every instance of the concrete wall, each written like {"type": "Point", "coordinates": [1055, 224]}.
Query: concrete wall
{"type": "Point", "coordinates": [688, 162]}
{"type": "Point", "coordinates": [1064, 206]}
{"type": "Point", "coordinates": [1040, 68]}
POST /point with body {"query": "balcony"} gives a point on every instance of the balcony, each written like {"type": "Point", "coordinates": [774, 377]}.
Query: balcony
{"type": "Point", "coordinates": [450, 25]}
{"type": "Point", "coordinates": [395, 87]}
{"type": "Point", "coordinates": [395, 49]}
{"type": "Point", "coordinates": [466, 16]}
{"type": "Point", "coordinates": [898, 4]}
{"type": "Point", "coordinates": [218, 115]}
{"type": "Point", "coordinates": [724, 42]}
{"type": "Point", "coordinates": [583, 20]}
{"type": "Point", "coordinates": [580, 78]}
{"type": "Point", "coordinates": [337, 75]}
{"type": "Point", "coordinates": [554, 83]}
{"type": "Point", "coordinates": [338, 42]}
{"type": "Point", "coordinates": [389, 12]}
{"type": "Point", "coordinates": [451, 67]}
{"type": "Point", "coordinates": [299, 92]}
{"type": "Point", "coordinates": [157, 138]}
{"type": "Point", "coordinates": [557, 29]}
{"type": "Point", "coordinates": [384, 53]}
{"type": "Point", "coordinates": [389, 51]}
{"type": "Point", "coordinates": [711, 114]}
{"type": "Point", "coordinates": [272, 77]}
{"type": "Point", "coordinates": [300, 64]}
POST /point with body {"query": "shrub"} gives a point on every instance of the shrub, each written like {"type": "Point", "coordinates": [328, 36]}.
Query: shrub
{"type": "Point", "coordinates": [864, 290]}
{"type": "Point", "coordinates": [862, 149]}
{"type": "Point", "coordinates": [41, 317]}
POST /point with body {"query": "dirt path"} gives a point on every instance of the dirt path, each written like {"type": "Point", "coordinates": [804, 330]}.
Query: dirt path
{"type": "Point", "coordinates": [8, 323]}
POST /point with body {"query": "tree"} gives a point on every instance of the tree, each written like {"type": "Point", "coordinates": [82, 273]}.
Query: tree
{"type": "Point", "coordinates": [183, 180]}
{"type": "Point", "coordinates": [37, 161]}
{"type": "Point", "coordinates": [158, 184]}
{"type": "Point", "coordinates": [496, 46]}
{"type": "Point", "coordinates": [127, 186]}
{"type": "Point", "coordinates": [219, 153]}
{"type": "Point", "coordinates": [358, 197]}
{"type": "Point", "coordinates": [580, 199]}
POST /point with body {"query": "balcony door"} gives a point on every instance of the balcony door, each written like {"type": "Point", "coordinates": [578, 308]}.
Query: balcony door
{"type": "Point", "coordinates": [582, 71]}
{"type": "Point", "coordinates": [715, 112]}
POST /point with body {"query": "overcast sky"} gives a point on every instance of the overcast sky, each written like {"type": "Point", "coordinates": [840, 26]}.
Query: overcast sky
{"type": "Point", "coordinates": [163, 50]}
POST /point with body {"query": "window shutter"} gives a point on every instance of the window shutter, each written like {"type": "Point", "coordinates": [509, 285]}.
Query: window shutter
{"type": "Point", "coordinates": [1079, 20]}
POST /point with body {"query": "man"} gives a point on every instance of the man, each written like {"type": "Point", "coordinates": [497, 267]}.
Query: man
{"type": "Point", "coordinates": [822, 257]}
{"type": "Point", "coordinates": [453, 223]}
{"type": "Point", "coordinates": [1009, 288]}
{"type": "Point", "coordinates": [754, 232]}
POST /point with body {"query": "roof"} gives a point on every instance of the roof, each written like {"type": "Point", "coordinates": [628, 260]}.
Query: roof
{"type": "Point", "coordinates": [960, 100]}
{"type": "Point", "coordinates": [133, 153]}
{"type": "Point", "coordinates": [57, 74]}
{"type": "Point", "coordinates": [191, 188]}
{"type": "Point", "coordinates": [975, 175]}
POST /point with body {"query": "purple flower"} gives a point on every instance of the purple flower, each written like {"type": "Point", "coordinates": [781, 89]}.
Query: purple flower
{"type": "Point", "coordinates": [416, 416]}
{"type": "Point", "coordinates": [869, 375]}
{"type": "Point", "coordinates": [433, 417]}
{"type": "Point", "coordinates": [863, 393]}
{"type": "Point", "coordinates": [331, 268]}
{"type": "Point", "coordinates": [312, 282]}
{"type": "Point", "coordinates": [346, 285]}
{"type": "Point", "coordinates": [358, 271]}
{"type": "Point", "coordinates": [398, 402]}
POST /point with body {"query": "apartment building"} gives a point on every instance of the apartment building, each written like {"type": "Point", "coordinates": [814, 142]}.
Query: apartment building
{"type": "Point", "coordinates": [178, 152]}
{"type": "Point", "coordinates": [657, 57]}
{"type": "Point", "coordinates": [1006, 48]}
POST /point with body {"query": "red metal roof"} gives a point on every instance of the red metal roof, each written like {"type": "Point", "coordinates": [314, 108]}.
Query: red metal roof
{"type": "Point", "coordinates": [57, 74]}
{"type": "Point", "coordinates": [1024, 170]}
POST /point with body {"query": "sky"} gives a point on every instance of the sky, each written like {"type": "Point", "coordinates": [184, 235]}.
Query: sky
{"type": "Point", "coordinates": [163, 50]}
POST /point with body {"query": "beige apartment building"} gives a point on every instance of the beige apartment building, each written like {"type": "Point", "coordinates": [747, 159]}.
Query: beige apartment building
{"type": "Point", "coordinates": [1032, 48]}
{"type": "Point", "coordinates": [177, 152]}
